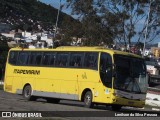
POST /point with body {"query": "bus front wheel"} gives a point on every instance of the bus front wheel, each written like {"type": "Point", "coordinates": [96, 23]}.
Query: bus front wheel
{"type": "Point", "coordinates": [88, 99]}
{"type": "Point", "coordinates": [27, 93]}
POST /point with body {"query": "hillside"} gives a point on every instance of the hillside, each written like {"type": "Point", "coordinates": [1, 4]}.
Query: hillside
{"type": "Point", "coordinates": [28, 14]}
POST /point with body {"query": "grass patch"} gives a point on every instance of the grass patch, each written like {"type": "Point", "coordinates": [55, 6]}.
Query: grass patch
{"type": "Point", "coordinates": [1, 87]}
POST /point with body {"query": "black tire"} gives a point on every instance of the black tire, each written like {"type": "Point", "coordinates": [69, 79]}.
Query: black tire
{"type": "Point", "coordinates": [88, 100]}
{"type": "Point", "coordinates": [53, 100]}
{"type": "Point", "coordinates": [27, 93]}
{"type": "Point", "coordinates": [116, 107]}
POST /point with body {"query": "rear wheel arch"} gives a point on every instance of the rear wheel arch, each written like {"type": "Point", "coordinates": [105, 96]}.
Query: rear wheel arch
{"type": "Point", "coordinates": [27, 92]}
{"type": "Point", "coordinates": [27, 84]}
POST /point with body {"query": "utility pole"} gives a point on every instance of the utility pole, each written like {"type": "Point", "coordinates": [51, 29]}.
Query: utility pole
{"type": "Point", "coordinates": [55, 32]}
{"type": "Point", "coordinates": [146, 31]}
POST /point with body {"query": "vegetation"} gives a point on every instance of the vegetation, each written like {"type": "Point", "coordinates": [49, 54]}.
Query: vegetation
{"type": "Point", "coordinates": [101, 21]}
{"type": "Point", "coordinates": [3, 56]}
{"type": "Point", "coordinates": [122, 21]}
{"type": "Point", "coordinates": [28, 14]}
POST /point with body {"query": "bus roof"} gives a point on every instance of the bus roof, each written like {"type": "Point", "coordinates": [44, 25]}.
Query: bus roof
{"type": "Point", "coordinates": [78, 48]}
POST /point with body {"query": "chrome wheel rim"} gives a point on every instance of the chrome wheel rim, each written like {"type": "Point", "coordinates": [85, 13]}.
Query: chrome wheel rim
{"type": "Point", "coordinates": [27, 92]}
{"type": "Point", "coordinates": [87, 99]}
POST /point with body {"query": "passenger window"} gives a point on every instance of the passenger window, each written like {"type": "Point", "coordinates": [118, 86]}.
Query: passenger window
{"type": "Point", "coordinates": [23, 58]}
{"type": "Point", "coordinates": [90, 60]}
{"type": "Point", "coordinates": [13, 57]}
{"type": "Point", "coordinates": [106, 69]}
{"type": "Point", "coordinates": [76, 59]}
{"type": "Point", "coordinates": [32, 59]}
{"type": "Point", "coordinates": [46, 58]}
{"type": "Point", "coordinates": [35, 58]}
{"type": "Point", "coordinates": [38, 58]}
{"type": "Point", "coordinates": [62, 59]}
{"type": "Point", "coordinates": [52, 59]}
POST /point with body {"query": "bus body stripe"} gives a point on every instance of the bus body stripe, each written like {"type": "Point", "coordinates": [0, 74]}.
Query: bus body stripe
{"type": "Point", "coordinates": [52, 94]}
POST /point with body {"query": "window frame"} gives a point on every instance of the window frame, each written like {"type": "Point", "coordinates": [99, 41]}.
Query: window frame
{"type": "Point", "coordinates": [82, 60]}
{"type": "Point", "coordinates": [93, 68]}
{"type": "Point", "coordinates": [105, 81]}
{"type": "Point", "coordinates": [83, 55]}
{"type": "Point", "coordinates": [62, 52]}
{"type": "Point", "coordinates": [9, 61]}
{"type": "Point", "coordinates": [19, 64]}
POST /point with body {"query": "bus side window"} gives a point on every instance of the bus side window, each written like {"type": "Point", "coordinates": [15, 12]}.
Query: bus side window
{"type": "Point", "coordinates": [76, 60]}
{"type": "Point", "coordinates": [90, 60]}
{"type": "Point", "coordinates": [46, 58]}
{"type": "Point", "coordinates": [52, 59]}
{"type": "Point", "coordinates": [32, 58]}
{"type": "Point", "coordinates": [38, 58]}
{"type": "Point", "coordinates": [62, 59]}
{"type": "Point", "coordinates": [23, 58]}
{"type": "Point", "coordinates": [106, 69]}
{"type": "Point", "coordinates": [13, 57]}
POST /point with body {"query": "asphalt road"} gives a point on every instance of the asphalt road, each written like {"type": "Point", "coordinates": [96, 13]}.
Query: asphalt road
{"type": "Point", "coordinates": [13, 102]}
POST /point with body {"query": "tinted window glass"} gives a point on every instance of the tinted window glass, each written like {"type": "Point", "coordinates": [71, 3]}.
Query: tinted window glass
{"type": "Point", "coordinates": [62, 59]}
{"type": "Point", "coordinates": [13, 57]}
{"type": "Point", "coordinates": [52, 59]}
{"type": "Point", "coordinates": [46, 58]}
{"type": "Point", "coordinates": [32, 58]}
{"type": "Point", "coordinates": [90, 60]}
{"type": "Point", "coordinates": [35, 58]}
{"type": "Point", "coordinates": [106, 69]}
{"type": "Point", "coordinates": [76, 59]}
{"type": "Point", "coordinates": [23, 58]}
{"type": "Point", "coordinates": [38, 58]}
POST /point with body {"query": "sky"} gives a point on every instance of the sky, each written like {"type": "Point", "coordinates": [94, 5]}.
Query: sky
{"type": "Point", "coordinates": [56, 4]}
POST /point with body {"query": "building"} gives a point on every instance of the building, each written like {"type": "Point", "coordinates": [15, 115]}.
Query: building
{"type": "Point", "coordinates": [156, 51]}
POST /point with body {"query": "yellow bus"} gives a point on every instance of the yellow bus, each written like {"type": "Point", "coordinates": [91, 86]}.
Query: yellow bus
{"type": "Point", "coordinates": [93, 75]}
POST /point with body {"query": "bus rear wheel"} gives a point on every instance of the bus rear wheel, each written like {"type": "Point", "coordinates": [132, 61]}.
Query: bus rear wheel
{"type": "Point", "coordinates": [27, 93]}
{"type": "Point", "coordinates": [88, 100]}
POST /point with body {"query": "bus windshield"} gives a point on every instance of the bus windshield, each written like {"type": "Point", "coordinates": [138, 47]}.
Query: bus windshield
{"type": "Point", "coordinates": [130, 74]}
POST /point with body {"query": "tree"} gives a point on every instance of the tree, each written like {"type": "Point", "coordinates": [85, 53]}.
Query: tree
{"type": "Point", "coordinates": [123, 21]}
{"type": "Point", "coordinates": [70, 28]}
{"type": "Point", "coordinates": [3, 56]}
{"type": "Point", "coordinates": [94, 25]}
